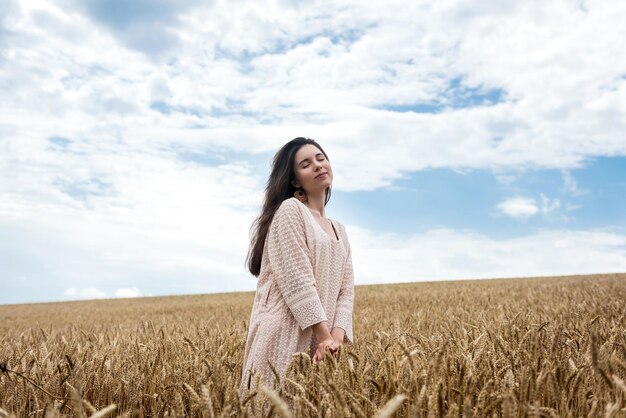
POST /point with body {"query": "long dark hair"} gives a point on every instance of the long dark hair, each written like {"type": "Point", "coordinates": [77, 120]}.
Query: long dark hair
{"type": "Point", "coordinates": [278, 189]}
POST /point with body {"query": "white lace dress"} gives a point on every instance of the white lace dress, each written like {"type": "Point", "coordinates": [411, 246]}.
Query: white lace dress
{"type": "Point", "coordinates": [306, 277]}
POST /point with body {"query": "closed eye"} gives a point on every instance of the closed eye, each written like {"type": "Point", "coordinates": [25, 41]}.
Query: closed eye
{"type": "Point", "coordinates": [304, 163]}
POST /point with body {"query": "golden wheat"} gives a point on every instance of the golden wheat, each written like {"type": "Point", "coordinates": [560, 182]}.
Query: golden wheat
{"type": "Point", "coordinates": [543, 347]}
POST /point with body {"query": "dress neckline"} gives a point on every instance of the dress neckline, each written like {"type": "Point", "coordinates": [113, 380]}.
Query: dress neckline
{"type": "Point", "coordinates": [336, 238]}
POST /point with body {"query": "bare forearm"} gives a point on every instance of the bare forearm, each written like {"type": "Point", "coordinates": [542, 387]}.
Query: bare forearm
{"type": "Point", "coordinates": [320, 331]}
{"type": "Point", "coordinates": [338, 334]}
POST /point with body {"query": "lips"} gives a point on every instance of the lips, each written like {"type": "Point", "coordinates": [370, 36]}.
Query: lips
{"type": "Point", "coordinates": [321, 174]}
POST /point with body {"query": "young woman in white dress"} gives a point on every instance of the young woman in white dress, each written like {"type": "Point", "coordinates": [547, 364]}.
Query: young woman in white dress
{"type": "Point", "coordinates": [305, 289]}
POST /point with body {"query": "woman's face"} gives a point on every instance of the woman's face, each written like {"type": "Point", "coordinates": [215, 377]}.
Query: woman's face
{"type": "Point", "coordinates": [312, 169]}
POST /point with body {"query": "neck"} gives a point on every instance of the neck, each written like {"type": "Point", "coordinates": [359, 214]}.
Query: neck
{"type": "Point", "coordinates": [316, 203]}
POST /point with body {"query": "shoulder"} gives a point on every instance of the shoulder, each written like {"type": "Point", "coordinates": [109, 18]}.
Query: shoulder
{"type": "Point", "coordinates": [289, 209]}
{"type": "Point", "coordinates": [289, 205]}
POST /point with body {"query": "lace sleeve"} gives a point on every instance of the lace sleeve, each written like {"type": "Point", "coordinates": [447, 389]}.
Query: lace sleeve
{"type": "Point", "coordinates": [292, 267]}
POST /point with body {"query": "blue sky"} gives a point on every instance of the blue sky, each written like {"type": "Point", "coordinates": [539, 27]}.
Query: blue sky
{"type": "Point", "coordinates": [467, 141]}
{"type": "Point", "coordinates": [441, 198]}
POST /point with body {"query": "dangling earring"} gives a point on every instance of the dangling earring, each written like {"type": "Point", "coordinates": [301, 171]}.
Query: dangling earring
{"type": "Point", "coordinates": [299, 194]}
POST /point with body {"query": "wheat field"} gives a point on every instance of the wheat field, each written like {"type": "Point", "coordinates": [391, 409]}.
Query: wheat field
{"type": "Point", "coordinates": [547, 347]}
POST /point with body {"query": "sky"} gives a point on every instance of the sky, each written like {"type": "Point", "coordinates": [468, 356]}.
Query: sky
{"type": "Point", "coordinates": [468, 140]}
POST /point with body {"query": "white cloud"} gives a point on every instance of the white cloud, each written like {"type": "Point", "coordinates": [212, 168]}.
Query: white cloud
{"type": "Point", "coordinates": [249, 77]}
{"type": "Point", "coordinates": [548, 204]}
{"type": "Point", "coordinates": [128, 292]}
{"type": "Point", "coordinates": [154, 219]}
{"type": "Point", "coordinates": [570, 184]}
{"type": "Point", "coordinates": [518, 207]}
{"type": "Point", "coordinates": [446, 254]}
{"type": "Point", "coordinates": [84, 293]}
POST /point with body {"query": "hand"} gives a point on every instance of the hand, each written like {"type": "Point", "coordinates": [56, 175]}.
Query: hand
{"type": "Point", "coordinates": [329, 343]}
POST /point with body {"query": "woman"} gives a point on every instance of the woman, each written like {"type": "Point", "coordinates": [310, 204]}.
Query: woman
{"type": "Point", "coordinates": [305, 289]}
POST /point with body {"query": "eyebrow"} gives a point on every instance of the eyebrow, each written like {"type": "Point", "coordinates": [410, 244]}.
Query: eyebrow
{"type": "Point", "coordinates": [307, 159]}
